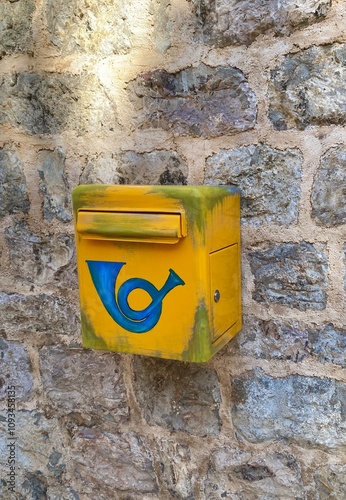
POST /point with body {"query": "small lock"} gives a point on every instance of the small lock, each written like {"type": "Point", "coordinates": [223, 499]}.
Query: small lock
{"type": "Point", "coordinates": [217, 295]}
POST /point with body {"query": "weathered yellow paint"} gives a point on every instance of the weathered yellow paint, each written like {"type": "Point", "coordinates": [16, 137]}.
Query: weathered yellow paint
{"type": "Point", "coordinates": [150, 259]}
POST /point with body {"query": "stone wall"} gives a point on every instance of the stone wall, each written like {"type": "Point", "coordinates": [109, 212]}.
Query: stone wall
{"type": "Point", "coordinates": [240, 92]}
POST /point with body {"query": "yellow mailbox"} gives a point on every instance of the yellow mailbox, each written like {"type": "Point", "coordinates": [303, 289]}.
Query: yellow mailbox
{"type": "Point", "coordinates": [159, 268]}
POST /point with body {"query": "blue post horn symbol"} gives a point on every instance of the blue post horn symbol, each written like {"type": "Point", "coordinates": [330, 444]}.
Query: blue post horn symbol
{"type": "Point", "coordinates": [104, 276]}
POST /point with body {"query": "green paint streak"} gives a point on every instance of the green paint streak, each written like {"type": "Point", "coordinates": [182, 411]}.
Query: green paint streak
{"type": "Point", "coordinates": [82, 196]}
{"type": "Point", "coordinates": [197, 200]}
{"type": "Point", "coordinates": [199, 348]}
{"type": "Point", "coordinates": [90, 338]}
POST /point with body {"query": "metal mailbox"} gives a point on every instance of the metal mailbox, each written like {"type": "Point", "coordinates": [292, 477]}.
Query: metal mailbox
{"type": "Point", "coordinates": [159, 268]}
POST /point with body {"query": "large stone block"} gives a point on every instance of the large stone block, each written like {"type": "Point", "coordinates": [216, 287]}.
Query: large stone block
{"type": "Point", "coordinates": [157, 167]}
{"type": "Point", "coordinates": [309, 411]}
{"type": "Point", "coordinates": [13, 194]}
{"type": "Point", "coordinates": [54, 103]}
{"type": "Point", "coordinates": [229, 22]}
{"type": "Point", "coordinates": [178, 396]}
{"type": "Point", "coordinates": [330, 481]}
{"type": "Point", "coordinates": [109, 464]}
{"type": "Point", "coordinates": [53, 185]}
{"type": "Point", "coordinates": [84, 382]}
{"type": "Point", "coordinates": [15, 370]}
{"type": "Point", "coordinates": [291, 274]}
{"type": "Point", "coordinates": [91, 26]}
{"type": "Point", "coordinates": [269, 180]}
{"type": "Point", "coordinates": [308, 88]}
{"type": "Point", "coordinates": [290, 341]}
{"type": "Point", "coordinates": [37, 259]}
{"type": "Point", "coordinates": [39, 455]}
{"type": "Point", "coordinates": [200, 102]}
{"type": "Point", "coordinates": [38, 313]}
{"type": "Point", "coordinates": [328, 197]}
{"type": "Point", "coordinates": [237, 474]}
{"type": "Point", "coordinates": [273, 339]}
{"type": "Point", "coordinates": [16, 26]}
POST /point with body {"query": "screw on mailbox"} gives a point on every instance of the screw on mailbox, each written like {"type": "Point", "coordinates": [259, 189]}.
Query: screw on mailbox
{"type": "Point", "coordinates": [217, 295]}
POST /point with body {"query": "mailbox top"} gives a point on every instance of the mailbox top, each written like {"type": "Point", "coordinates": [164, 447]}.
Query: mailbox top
{"type": "Point", "coordinates": [141, 198]}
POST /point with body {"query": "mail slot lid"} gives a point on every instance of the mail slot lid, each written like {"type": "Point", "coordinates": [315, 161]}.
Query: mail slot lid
{"type": "Point", "coordinates": [131, 226]}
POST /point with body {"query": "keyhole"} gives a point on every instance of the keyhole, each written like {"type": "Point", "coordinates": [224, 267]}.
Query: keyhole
{"type": "Point", "coordinates": [217, 295]}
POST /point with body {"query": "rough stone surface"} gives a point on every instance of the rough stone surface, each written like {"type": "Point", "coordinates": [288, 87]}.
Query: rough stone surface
{"type": "Point", "coordinates": [90, 26]}
{"type": "Point", "coordinates": [174, 459]}
{"type": "Point", "coordinates": [269, 180]}
{"type": "Point", "coordinates": [39, 455]}
{"type": "Point", "coordinates": [13, 194]}
{"type": "Point", "coordinates": [292, 274]}
{"type": "Point", "coordinates": [107, 463]}
{"type": "Point", "coordinates": [328, 344]}
{"type": "Point", "coordinates": [84, 382]}
{"type": "Point", "coordinates": [15, 369]}
{"type": "Point", "coordinates": [308, 88]}
{"type": "Point", "coordinates": [229, 22]}
{"type": "Point", "coordinates": [178, 396]}
{"type": "Point", "coordinates": [236, 474]}
{"type": "Point", "coordinates": [16, 26]}
{"type": "Point", "coordinates": [200, 102]}
{"type": "Point", "coordinates": [158, 167]}
{"type": "Point", "coordinates": [38, 313]}
{"type": "Point", "coordinates": [53, 185]}
{"type": "Point", "coordinates": [328, 196]}
{"type": "Point", "coordinates": [162, 25]}
{"type": "Point", "coordinates": [39, 259]}
{"type": "Point", "coordinates": [272, 339]}
{"type": "Point", "coordinates": [310, 411]}
{"type": "Point", "coordinates": [330, 482]}
{"type": "Point", "coordinates": [53, 103]}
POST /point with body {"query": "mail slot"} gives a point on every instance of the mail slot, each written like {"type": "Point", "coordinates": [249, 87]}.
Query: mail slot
{"type": "Point", "coordinates": [158, 268]}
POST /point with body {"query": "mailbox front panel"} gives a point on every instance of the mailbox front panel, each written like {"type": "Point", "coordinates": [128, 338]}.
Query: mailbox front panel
{"type": "Point", "coordinates": [147, 269]}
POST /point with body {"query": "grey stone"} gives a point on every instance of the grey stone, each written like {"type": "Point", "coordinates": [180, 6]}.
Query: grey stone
{"type": "Point", "coordinates": [53, 103]}
{"type": "Point", "coordinates": [15, 370]}
{"type": "Point", "coordinates": [291, 274]}
{"type": "Point", "coordinates": [16, 26]}
{"type": "Point", "coordinates": [234, 22]}
{"type": "Point", "coordinates": [38, 313]}
{"type": "Point", "coordinates": [90, 26]}
{"type": "Point", "coordinates": [328, 197]}
{"type": "Point", "coordinates": [328, 344]}
{"type": "Point", "coordinates": [157, 167]}
{"type": "Point", "coordinates": [13, 194]}
{"type": "Point", "coordinates": [37, 440]}
{"type": "Point", "coordinates": [53, 185]}
{"type": "Point", "coordinates": [162, 25]}
{"type": "Point", "coordinates": [37, 259]}
{"type": "Point", "coordinates": [84, 382]}
{"type": "Point", "coordinates": [200, 102]}
{"type": "Point", "coordinates": [107, 463]}
{"type": "Point", "coordinates": [178, 396]}
{"type": "Point", "coordinates": [308, 88]}
{"type": "Point", "coordinates": [237, 474]}
{"type": "Point", "coordinates": [174, 459]}
{"type": "Point", "coordinates": [271, 339]}
{"type": "Point", "coordinates": [330, 482]}
{"type": "Point", "coordinates": [269, 180]}
{"type": "Point", "coordinates": [309, 411]}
